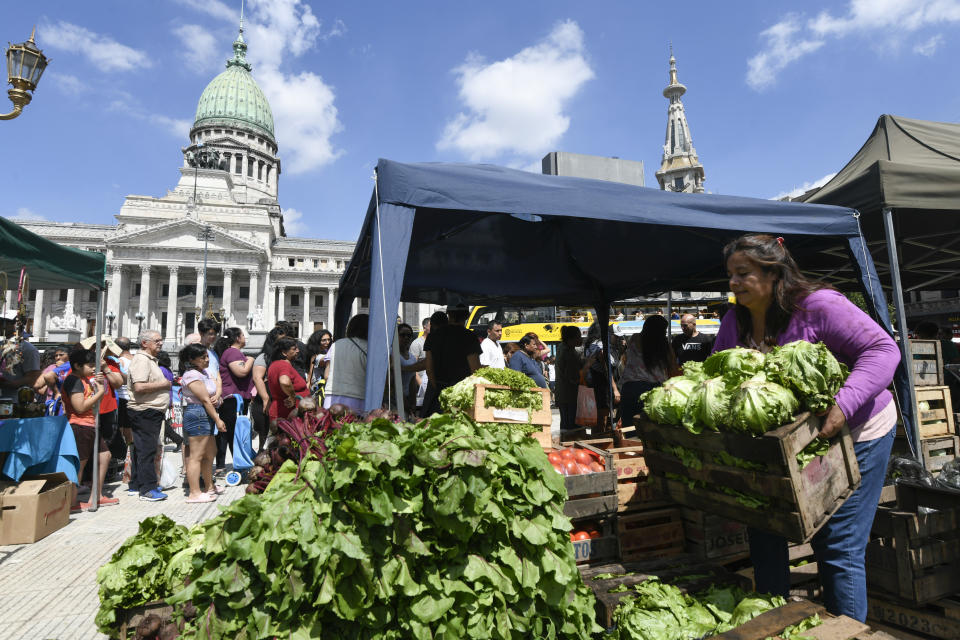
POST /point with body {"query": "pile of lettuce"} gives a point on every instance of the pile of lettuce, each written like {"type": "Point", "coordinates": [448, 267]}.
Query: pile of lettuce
{"type": "Point", "coordinates": [661, 611]}
{"type": "Point", "coordinates": [519, 396]}
{"type": "Point", "coordinates": [443, 530]}
{"type": "Point", "coordinates": [745, 391]}
{"type": "Point", "coordinates": [149, 566]}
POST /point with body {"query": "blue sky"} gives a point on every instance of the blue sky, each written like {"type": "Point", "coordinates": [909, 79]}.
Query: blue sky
{"type": "Point", "coordinates": [780, 94]}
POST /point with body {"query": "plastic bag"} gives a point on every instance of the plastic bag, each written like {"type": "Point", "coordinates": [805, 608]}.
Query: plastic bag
{"type": "Point", "coordinates": [950, 474]}
{"type": "Point", "coordinates": [586, 407]}
{"type": "Point", "coordinates": [909, 470]}
{"type": "Point", "coordinates": [169, 474]}
{"type": "Point", "coordinates": [243, 452]}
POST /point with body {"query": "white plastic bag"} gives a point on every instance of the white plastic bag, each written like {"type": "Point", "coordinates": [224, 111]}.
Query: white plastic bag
{"type": "Point", "coordinates": [169, 474]}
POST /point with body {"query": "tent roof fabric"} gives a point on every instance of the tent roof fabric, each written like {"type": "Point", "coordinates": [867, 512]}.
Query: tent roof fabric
{"type": "Point", "coordinates": [568, 240]}
{"type": "Point", "coordinates": [48, 264]}
{"type": "Point", "coordinates": [904, 164]}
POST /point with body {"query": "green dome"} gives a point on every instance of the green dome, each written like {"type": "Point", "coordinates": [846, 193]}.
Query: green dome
{"type": "Point", "coordinates": [234, 97]}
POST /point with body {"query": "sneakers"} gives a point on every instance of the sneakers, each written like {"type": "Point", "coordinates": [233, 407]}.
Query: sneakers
{"type": "Point", "coordinates": [133, 491]}
{"type": "Point", "coordinates": [155, 495]}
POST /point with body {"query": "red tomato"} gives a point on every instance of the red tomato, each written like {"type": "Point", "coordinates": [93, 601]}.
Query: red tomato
{"type": "Point", "coordinates": [566, 454]}
{"type": "Point", "coordinates": [594, 534]}
{"type": "Point", "coordinates": [573, 469]}
{"type": "Point", "coordinates": [584, 468]}
{"type": "Point", "coordinates": [580, 535]}
{"type": "Point", "coordinates": [583, 456]}
{"type": "Point", "coordinates": [558, 468]}
{"type": "Point", "coordinates": [595, 467]}
{"type": "Point", "coordinates": [554, 457]}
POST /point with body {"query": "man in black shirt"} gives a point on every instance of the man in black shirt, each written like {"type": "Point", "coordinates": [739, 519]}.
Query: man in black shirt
{"type": "Point", "coordinates": [452, 353]}
{"type": "Point", "coordinates": [691, 344]}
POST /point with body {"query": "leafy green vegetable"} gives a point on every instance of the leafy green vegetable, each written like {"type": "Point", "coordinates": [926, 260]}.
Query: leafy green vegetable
{"type": "Point", "coordinates": [461, 395]}
{"type": "Point", "coordinates": [759, 406]}
{"type": "Point", "coordinates": [746, 499]}
{"type": "Point", "coordinates": [137, 571]}
{"type": "Point", "coordinates": [694, 370]}
{"type": "Point", "coordinates": [441, 530]}
{"type": "Point", "coordinates": [518, 396]}
{"type": "Point", "coordinates": [795, 631]}
{"type": "Point", "coordinates": [506, 377]}
{"type": "Point", "coordinates": [690, 482]}
{"type": "Point", "coordinates": [738, 363]}
{"type": "Point", "coordinates": [665, 404]}
{"type": "Point", "coordinates": [607, 576]}
{"type": "Point", "coordinates": [818, 447]}
{"type": "Point", "coordinates": [727, 460]}
{"type": "Point", "coordinates": [708, 405]}
{"type": "Point", "coordinates": [689, 457]}
{"type": "Point", "coordinates": [809, 370]}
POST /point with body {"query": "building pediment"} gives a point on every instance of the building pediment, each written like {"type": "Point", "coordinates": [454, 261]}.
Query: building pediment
{"type": "Point", "coordinates": [185, 233]}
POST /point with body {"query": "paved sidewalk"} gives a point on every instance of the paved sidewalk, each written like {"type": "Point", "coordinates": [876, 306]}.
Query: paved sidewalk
{"type": "Point", "coordinates": [50, 587]}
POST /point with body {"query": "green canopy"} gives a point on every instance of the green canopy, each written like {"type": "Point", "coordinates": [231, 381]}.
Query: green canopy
{"type": "Point", "coordinates": [48, 264]}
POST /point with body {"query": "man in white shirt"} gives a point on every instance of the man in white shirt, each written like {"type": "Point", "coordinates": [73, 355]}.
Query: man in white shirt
{"type": "Point", "coordinates": [491, 355]}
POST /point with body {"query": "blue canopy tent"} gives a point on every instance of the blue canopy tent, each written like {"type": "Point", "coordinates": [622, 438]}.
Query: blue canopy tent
{"type": "Point", "coordinates": [445, 233]}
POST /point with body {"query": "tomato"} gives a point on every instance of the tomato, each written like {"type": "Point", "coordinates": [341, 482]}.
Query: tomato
{"type": "Point", "coordinates": [566, 454]}
{"type": "Point", "coordinates": [558, 468]}
{"type": "Point", "coordinates": [584, 468]}
{"type": "Point", "coordinates": [595, 467]}
{"type": "Point", "coordinates": [554, 457]}
{"type": "Point", "coordinates": [583, 456]}
{"type": "Point", "coordinates": [573, 469]}
{"type": "Point", "coordinates": [580, 535]}
{"type": "Point", "coordinates": [594, 534]}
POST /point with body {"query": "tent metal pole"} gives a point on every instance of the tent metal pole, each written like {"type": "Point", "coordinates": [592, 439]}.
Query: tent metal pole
{"type": "Point", "coordinates": [398, 391]}
{"type": "Point", "coordinates": [95, 487]}
{"type": "Point", "coordinates": [669, 313]}
{"type": "Point", "coordinates": [905, 351]}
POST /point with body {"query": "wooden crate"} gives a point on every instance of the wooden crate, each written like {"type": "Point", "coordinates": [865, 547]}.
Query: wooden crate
{"type": "Point", "coordinates": [927, 363]}
{"type": "Point", "coordinates": [602, 550]}
{"type": "Point", "coordinates": [940, 619]}
{"type": "Point", "coordinates": [650, 534]}
{"type": "Point", "coordinates": [130, 618]}
{"type": "Point", "coordinates": [480, 412]}
{"type": "Point", "coordinates": [937, 419]}
{"type": "Point", "coordinates": [636, 490]}
{"type": "Point", "coordinates": [712, 537]}
{"type": "Point", "coordinates": [916, 555]}
{"type": "Point", "coordinates": [687, 573]}
{"type": "Point", "coordinates": [591, 495]}
{"type": "Point", "coordinates": [936, 451]}
{"type": "Point", "coordinates": [768, 625]}
{"type": "Point", "coordinates": [801, 501]}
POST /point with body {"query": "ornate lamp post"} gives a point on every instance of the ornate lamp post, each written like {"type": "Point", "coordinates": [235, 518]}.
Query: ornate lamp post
{"type": "Point", "coordinates": [110, 317]}
{"type": "Point", "coordinates": [223, 320]}
{"type": "Point", "coordinates": [250, 321]}
{"type": "Point", "coordinates": [25, 65]}
{"type": "Point", "coordinates": [205, 234]}
{"type": "Point", "coordinates": [139, 318]}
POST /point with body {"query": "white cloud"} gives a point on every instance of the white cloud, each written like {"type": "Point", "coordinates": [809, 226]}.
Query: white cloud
{"type": "Point", "coordinates": [928, 47]}
{"type": "Point", "coordinates": [781, 47]}
{"type": "Point", "coordinates": [68, 84]}
{"type": "Point", "coordinates": [293, 222]}
{"type": "Point", "coordinates": [516, 105]}
{"type": "Point", "coordinates": [304, 110]}
{"type": "Point", "coordinates": [128, 105]}
{"type": "Point", "coordinates": [806, 186]}
{"type": "Point", "coordinates": [105, 53]}
{"type": "Point", "coordinates": [24, 214]}
{"type": "Point", "coordinates": [791, 39]}
{"type": "Point", "coordinates": [199, 48]}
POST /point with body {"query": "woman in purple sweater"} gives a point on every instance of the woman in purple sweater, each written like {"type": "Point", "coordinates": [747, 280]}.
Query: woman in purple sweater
{"type": "Point", "coordinates": [776, 304]}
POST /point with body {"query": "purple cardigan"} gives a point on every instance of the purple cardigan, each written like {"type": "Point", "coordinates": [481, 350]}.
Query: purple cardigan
{"type": "Point", "coordinates": [852, 336]}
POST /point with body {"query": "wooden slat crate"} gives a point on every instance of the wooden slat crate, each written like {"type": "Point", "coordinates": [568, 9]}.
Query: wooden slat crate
{"type": "Point", "coordinates": [687, 573]}
{"type": "Point", "coordinates": [935, 417]}
{"type": "Point", "coordinates": [130, 618]}
{"type": "Point", "coordinates": [602, 550]}
{"type": "Point", "coordinates": [636, 490]}
{"type": "Point", "coordinates": [927, 363]}
{"type": "Point", "coordinates": [712, 537]}
{"type": "Point", "coordinates": [581, 501]}
{"type": "Point", "coordinates": [936, 451]}
{"type": "Point", "coordinates": [801, 501]}
{"type": "Point", "coordinates": [768, 625]}
{"type": "Point", "coordinates": [940, 619]}
{"type": "Point", "coordinates": [915, 555]}
{"type": "Point", "coordinates": [650, 534]}
{"type": "Point", "coordinates": [480, 412]}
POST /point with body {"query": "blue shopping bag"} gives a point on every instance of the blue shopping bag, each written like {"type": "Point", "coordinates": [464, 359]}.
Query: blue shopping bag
{"type": "Point", "coordinates": [243, 453]}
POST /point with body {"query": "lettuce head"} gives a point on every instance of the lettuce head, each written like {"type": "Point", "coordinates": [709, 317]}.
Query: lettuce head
{"type": "Point", "coordinates": [809, 370]}
{"type": "Point", "coordinates": [665, 404]}
{"type": "Point", "coordinates": [760, 405]}
{"type": "Point", "coordinates": [708, 405]}
{"type": "Point", "coordinates": [739, 363]}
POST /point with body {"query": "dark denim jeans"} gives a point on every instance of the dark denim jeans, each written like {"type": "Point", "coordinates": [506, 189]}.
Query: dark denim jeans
{"type": "Point", "coordinates": [840, 546]}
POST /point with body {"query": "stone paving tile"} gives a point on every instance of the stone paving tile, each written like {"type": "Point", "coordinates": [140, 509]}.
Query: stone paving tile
{"type": "Point", "coordinates": [49, 587]}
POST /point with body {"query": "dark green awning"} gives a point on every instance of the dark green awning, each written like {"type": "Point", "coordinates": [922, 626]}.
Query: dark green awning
{"type": "Point", "coordinates": [48, 264]}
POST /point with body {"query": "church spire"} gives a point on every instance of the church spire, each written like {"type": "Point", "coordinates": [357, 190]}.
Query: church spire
{"type": "Point", "coordinates": [680, 169]}
{"type": "Point", "coordinates": [239, 58]}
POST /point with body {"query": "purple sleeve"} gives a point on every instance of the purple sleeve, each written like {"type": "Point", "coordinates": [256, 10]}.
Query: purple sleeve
{"type": "Point", "coordinates": [857, 341]}
{"type": "Point", "coordinates": [727, 335]}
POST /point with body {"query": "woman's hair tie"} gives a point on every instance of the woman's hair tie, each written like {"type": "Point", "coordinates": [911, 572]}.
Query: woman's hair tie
{"type": "Point", "coordinates": [780, 241]}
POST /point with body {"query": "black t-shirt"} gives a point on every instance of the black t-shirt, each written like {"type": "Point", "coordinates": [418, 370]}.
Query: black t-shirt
{"type": "Point", "coordinates": [449, 347]}
{"type": "Point", "coordinates": [696, 348]}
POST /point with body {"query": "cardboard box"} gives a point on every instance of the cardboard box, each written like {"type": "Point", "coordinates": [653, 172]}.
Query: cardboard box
{"type": "Point", "coordinates": [34, 508]}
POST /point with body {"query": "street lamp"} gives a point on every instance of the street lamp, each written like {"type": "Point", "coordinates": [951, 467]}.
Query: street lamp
{"type": "Point", "coordinates": [139, 318]}
{"type": "Point", "coordinates": [250, 322]}
{"type": "Point", "coordinates": [25, 65]}
{"type": "Point", "coordinates": [206, 234]}
{"type": "Point", "coordinates": [110, 317]}
{"type": "Point", "coordinates": [223, 320]}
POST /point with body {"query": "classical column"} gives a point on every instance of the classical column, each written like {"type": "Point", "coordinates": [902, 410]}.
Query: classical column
{"type": "Point", "coordinates": [228, 298]}
{"type": "Point", "coordinates": [69, 311]}
{"type": "Point", "coordinates": [305, 331]}
{"type": "Point", "coordinates": [201, 285]}
{"type": "Point", "coordinates": [282, 290]}
{"type": "Point", "coordinates": [144, 292]}
{"type": "Point", "coordinates": [355, 307]}
{"type": "Point", "coordinates": [38, 315]}
{"type": "Point", "coordinates": [331, 292]}
{"type": "Point", "coordinates": [254, 296]}
{"type": "Point", "coordinates": [115, 289]}
{"type": "Point", "coordinates": [171, 328]}
{"type": "Point", "coordinates": [268, 307]}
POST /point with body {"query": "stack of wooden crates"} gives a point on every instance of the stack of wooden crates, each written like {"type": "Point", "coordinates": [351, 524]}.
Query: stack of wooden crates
{"type": "Point", "coordinates": [939, 442]}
